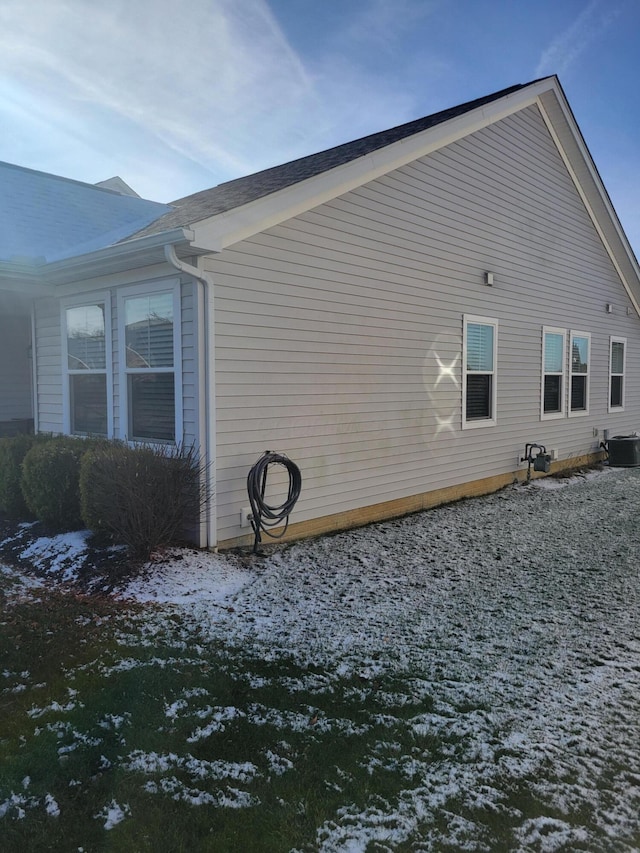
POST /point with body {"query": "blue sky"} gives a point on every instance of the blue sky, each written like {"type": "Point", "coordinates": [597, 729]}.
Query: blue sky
{"type": "Point", "coordinates": [177, 96]}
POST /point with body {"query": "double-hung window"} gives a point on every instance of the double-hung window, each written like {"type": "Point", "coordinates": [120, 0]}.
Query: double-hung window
{"type": "Point", "coordinates": [617, 364]}
{"type": "Point", "coordinates": [87, 359]}
{"type": "Point", "coordinates": [479, 351]}
{"type": "Point", "coordinates": [579, 356]}
{"type": "Point", "coordinates": [553, 372]}
{"type": "Point", "coordinates": [150, 358]}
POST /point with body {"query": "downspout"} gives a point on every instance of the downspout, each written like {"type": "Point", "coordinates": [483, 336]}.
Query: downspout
{"type": "Point", "coordinates": [34, 367]}
{"type": "Point", "coordinates": [206, 390]}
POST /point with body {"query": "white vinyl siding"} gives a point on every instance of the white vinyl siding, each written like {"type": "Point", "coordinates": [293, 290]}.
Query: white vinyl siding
{"type": "Point", "coordinates": [48, 349]}
{"type": "Point", "coordinates": [579, 361]}
{"type": "Point", "coordinates": [339, 332]}
{"type": "Point", "coordinates": [479, 383]}
{"type": "Point", "coordinates": [617, 369]}
{"type": "Point", "coordinates": [554, 369]}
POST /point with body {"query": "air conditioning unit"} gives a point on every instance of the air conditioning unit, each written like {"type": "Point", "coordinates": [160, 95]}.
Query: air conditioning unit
{"type": "Point", "coordinates": [624, 451]}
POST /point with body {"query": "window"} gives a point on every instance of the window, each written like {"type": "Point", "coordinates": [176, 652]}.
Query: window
{"type": "Point", "coordinates": [87, 354]}
{"type": "Point", "coordinates": [617, 359]}
{"type": "Point", "coordinates": [553, 372]}
{"type": "Point", "coordinates": [149, 323]}
{"type": "Point", "coordinates": [579, 367]}
{"type": "Point", "coordinates": [479, 372]}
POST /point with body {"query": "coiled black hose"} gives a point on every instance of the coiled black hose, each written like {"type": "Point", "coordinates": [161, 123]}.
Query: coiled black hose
{"type": "Point", "coordinates": [264, 516]}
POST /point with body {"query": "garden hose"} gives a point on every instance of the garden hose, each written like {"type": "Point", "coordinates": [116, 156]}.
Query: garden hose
{"type": "Point", "coordinates": [263, 515]}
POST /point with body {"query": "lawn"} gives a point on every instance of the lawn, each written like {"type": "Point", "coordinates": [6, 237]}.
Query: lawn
{"type": "Point", "coordinates": [462, 679]}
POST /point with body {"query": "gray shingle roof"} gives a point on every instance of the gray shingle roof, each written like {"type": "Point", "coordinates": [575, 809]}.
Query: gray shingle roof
{"type": "Point", "coordinates": [45, 218]}
{"type": "Point", "coordinates": [235, 193]}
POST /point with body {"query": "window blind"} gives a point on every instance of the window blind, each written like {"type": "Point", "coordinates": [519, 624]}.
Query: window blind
{"type": "Point", "coordinates": [480, 347]}
{"type": "Point", "coordinates": [617, 357]}
{"type": "Point", "coordinates": [553, 346]}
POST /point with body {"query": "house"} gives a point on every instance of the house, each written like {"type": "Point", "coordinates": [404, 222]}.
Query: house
{"type": "Point", "coordinates": [399, 315]}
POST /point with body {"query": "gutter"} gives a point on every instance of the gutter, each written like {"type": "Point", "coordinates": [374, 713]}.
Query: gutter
{"type": "Point", "coordinates": [55, 271]}
{"type": "Point", "coordinates": [206, 391]}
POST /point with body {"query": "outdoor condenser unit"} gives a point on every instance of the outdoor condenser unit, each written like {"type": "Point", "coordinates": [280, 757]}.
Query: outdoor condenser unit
{"type": "Point", "coordinates": [624, 451]}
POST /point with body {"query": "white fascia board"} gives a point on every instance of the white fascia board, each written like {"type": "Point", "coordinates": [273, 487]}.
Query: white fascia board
{"type": "Point", "coordinates": [228, 228]}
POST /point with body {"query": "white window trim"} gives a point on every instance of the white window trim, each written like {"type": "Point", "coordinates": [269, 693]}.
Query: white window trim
{"type": "Point", "coordinates": [104, 298]}
{"type": "Point", "coordinates": [580, 412]}
{"type": "Point", "coordinates": [150, 289]}
{"type": "Point", "coordinates": [549, 416]}
{"type": "Point", "coordinates": [493, 420]}
{"type": "Point", "coordinates": [617, 340]}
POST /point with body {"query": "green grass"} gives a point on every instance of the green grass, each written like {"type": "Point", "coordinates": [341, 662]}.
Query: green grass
{"type": "Point", "coordinates": [206, 748]}
{"type": "Point", "coordinates": [71, 717]}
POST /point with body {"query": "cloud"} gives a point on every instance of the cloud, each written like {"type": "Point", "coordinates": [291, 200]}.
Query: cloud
{"type": "Point", "coordinates": [211, 88]}
{"type": "Point", "coordinates": [382, 24]}
{"type": "Point", "coordinates": [569, 46]}
{"type": "Point", "coordinates": [198, 81]}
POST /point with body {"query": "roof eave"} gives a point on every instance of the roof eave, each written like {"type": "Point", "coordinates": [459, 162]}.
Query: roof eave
{"type": "Point", "coordinates": [127, 255]}
{"type": "Point", "coordinates": [23, 278]}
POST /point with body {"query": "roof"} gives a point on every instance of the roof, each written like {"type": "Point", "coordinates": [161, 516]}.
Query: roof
{"type": "Point", "coordinates": [117, 185]}
{"type": "Point", "coordinates": [241, 191]}
{"type": "Point", "coordinates": [46, 218]}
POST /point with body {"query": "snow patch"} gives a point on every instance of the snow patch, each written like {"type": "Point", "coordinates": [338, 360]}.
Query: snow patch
{"type": "Point", "coordinates": [113, 814]}
{"type": "Point", "coordinates": [51, 806]}
{"type": "Point", "coordinates": [188, 576]}
{"type": "Point", "coordinates": [59, 555]}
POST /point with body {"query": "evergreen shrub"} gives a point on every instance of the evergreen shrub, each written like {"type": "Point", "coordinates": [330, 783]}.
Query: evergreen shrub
{"type": "Point", "coordinates": [50, 481]}
{"type": "Point", "coordinates": [143, 497]}
{"type": "Point", "coordinates": [12, 452]}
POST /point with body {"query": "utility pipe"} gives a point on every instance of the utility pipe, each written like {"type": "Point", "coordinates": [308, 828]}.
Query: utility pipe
{"type": "Point", "coordinates": [34, 369]}
{"type": "Point", "coordinates": [206, 389]}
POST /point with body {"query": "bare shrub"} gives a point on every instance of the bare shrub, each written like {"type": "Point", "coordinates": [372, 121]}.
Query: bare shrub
{"type": "Point", "coordinates": [144, 497]}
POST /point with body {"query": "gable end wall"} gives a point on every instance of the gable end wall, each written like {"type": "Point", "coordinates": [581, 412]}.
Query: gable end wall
{"type": "Point", "coordinates": [339, 332]}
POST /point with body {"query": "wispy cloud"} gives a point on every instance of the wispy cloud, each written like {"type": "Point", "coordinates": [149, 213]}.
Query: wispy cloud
{"type": "Point", "coordinates": [214, 82]}
{"type": "Point", "coordinates": [211, 88]}
{"type": "Point", "coordinates": [199, 85]}
{"type": "Point", "coordinates": [380, 25]}
{"type": "Point", "coordinates": [570, 45]}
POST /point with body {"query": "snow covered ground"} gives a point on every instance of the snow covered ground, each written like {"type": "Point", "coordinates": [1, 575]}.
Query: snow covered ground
{"type": "Point", "coordinates": [517, 613]}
